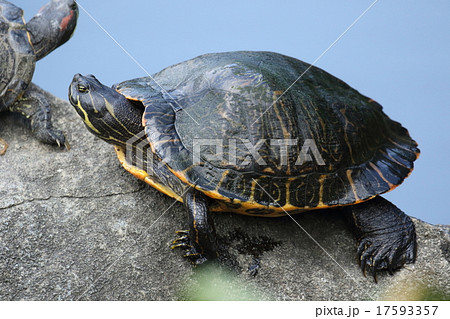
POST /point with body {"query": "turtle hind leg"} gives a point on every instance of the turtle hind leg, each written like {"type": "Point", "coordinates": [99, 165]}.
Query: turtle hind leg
{"type": "Point", "coordinates": [386, 235]}
{"type": "Point", "coordinates": [199, 241]}
{"type": "Point", "coordinates": [34, 107]}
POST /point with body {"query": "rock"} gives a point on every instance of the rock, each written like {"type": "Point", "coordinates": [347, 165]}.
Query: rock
{"type": "Point", "coordinates": [74, 225]}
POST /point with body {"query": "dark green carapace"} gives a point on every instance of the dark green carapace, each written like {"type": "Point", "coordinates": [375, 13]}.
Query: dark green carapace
{"type": "Point", "coordinates": [21, 45]}
{"type": "Point", "coordinates": [259, 133]}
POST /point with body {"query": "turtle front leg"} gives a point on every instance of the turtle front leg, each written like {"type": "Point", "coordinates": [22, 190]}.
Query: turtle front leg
{"type": "Point", "coordinates": [34, 107]}
{"type": "Point", "coordinates": [386, 235]}
{"type": "Point", "coordinates": [199, 241]}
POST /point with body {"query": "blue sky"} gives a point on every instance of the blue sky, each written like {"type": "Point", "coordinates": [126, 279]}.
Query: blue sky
{"type": "Point", "coordinates": [397, 53]}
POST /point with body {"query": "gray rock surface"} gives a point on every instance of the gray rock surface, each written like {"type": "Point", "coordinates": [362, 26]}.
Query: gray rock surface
{"type": "Point", "coordinates": [74, 225]}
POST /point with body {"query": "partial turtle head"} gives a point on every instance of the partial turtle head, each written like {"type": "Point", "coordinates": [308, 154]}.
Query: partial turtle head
{"type": "Point", "coordinates": [52, 26]}
{"type": "Point", "coordinates": [10, 14]}
{"type": "Point", "coordinates": [106, 113]}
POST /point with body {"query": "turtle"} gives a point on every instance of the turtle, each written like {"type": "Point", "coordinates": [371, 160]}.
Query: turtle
{"type": "Point", "coordinates": [22, 44]}
{"type": "Point", "coordinates": [260, 134]}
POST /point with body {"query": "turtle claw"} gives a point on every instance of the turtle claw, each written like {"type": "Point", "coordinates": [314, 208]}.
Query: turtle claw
{"type": "Point", "coordinates": [376, 253]}
{"type": "Point", "coordinates": [182, 241]}
{"type": "Point", "coordinates": [175, 245]}
{"type": "Point", "coordinates": [386, 236]}
{"type": "Point", "coordinates": [190, 252]}
{"type": "Point", "coordinates": [195, 257]}
{"type": "Point", "coordinates": [50, 135]}
{"type": "Point", "coordinates": [182, 232]}
{"type": "Point", "coordinates": [3, 146]}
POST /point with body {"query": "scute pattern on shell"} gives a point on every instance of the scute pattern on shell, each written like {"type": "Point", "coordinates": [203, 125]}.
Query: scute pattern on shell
{"type": "Point", "coordinates": [17, 55]}
{"type": "Point", "coordinates": [240, 96]}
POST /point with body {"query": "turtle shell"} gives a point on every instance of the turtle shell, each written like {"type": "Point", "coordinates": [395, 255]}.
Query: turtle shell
{"type": "Point", "coordinates": [16, 54]}
{"type": "Point", "coordinates": [265, 133]}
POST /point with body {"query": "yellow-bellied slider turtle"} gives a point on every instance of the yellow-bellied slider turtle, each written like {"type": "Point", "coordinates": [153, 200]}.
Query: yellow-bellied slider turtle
{"type": "Point", "coordinates": [21, 45]}
{"type": "Point", "coordinates": [243, 132]}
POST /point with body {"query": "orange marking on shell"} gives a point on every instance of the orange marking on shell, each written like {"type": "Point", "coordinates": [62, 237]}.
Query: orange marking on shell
{"type": "Point", "coordinates": [143, 175]}
{"type": "Point", "coordinates": [321, 181]}
{"type": "Point", "coordinates": [65, 21]}
{"type": "Point", "coordinates": [352, 185]}
{"type": "Point", "coordinates": [376, 169]}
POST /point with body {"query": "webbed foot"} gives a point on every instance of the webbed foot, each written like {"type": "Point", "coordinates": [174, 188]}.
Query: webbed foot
{"type": "Point", "coordinates": [44, 131]}
{"type": "Point", "coordinates": [386, 236]}
{"type": "Point", "coordinates": [35, 108]}
{"type": "Point", "coordinates": [199, 242]}
{"type": "Point", "coordinates": [386, 252]}
{"type": "Point", "coordinates": [190, 252]}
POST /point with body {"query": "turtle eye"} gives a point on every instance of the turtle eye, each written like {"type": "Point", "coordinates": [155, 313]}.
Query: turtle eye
{"type": "Point", "coordinates": [82, 89]}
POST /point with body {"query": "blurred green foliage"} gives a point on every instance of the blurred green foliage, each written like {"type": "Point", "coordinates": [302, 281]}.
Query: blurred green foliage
{"type": "Point", "coordinates": [214, 282]}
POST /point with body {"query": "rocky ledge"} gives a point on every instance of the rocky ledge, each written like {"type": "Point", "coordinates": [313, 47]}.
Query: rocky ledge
{"type": "Point", "coordinates": [75, 226]}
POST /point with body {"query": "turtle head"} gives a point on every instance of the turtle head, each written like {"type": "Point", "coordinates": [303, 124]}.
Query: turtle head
{"type": "Point", "coordinates": [52, 26]}
{"type": "Point", "coordinates": [105, 112]}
